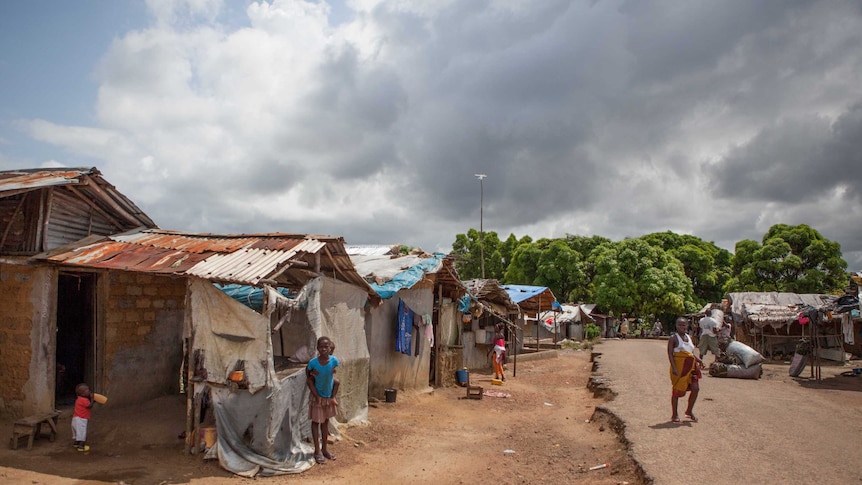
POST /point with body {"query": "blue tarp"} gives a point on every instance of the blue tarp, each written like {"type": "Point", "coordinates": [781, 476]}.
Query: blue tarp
{"type": "Point", "coordinates": [464, 303]}
{"type": "Point", "coordinates": [519, 293]}
{"type": "Point", "coordinates": [408, 277]}
{"type": "Point", "coordinates": [249, 296]}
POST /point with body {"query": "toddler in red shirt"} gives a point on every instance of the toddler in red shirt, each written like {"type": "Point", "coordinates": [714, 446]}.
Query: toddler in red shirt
{"type": "Point", "coordinates": [83, 405]}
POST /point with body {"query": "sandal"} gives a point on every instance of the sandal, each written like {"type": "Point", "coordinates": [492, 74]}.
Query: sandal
{"type": "Point", "coordinates": [329, 455]}
{"type": "Point", "coordinates": [675, 419]}
{"type": "Point", "coordinates": [691, 417]}
{"type": "Point", "coordinates": [319, 459]}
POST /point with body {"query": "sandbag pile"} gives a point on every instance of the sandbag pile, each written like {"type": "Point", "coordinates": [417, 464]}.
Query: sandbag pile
{"type": "Point", "coordinates": [739, 361]}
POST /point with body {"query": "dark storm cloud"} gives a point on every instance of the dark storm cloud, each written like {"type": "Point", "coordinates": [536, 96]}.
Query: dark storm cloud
{"type": "Point", "coordinates": [616, 118]}
{"type": "Point", "coordinates": [794, 161]}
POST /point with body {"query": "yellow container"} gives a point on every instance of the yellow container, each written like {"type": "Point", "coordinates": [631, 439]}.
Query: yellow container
{"type": "Point", "coordinates": [497, 382]}
{"type": "Point", "coordinates": [100, 398]}
{"type": "Point", "coordinates": [208, 436]}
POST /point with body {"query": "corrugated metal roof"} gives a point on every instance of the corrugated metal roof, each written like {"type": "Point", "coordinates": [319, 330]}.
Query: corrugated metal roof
{"type": "Point", "coordinates": [36, 178]}
{"type": "Point", "coordinates": [80, 180]}
{"type": "Point", "coordinates": [246, 259]}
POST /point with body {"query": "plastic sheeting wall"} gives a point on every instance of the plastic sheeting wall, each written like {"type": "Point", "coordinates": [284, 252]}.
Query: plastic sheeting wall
{"type": "Point", "coordinates": [262, 433]}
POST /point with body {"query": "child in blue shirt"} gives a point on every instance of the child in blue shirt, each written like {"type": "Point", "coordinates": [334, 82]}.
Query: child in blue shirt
{"type": "Point", "coordinates": [321, 381]}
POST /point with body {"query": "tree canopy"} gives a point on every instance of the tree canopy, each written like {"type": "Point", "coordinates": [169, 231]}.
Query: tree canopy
{"type": "Point", "coordinates": [795, 259]}
{"type": "Point", "coordinates": [659, 274]}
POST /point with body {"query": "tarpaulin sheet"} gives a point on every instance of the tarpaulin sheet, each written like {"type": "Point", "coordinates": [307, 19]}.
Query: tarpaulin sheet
{"type": "Point", "coordinates": [409, 277]}
{"type": "Point", "coordinates": [227, 332]}
{"type": "Point", "coordinates": [263, 433]}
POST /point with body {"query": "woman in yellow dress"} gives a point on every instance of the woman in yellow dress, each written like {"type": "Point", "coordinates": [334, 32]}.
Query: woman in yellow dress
{"type": "Point", "coordinates": [685, 368]}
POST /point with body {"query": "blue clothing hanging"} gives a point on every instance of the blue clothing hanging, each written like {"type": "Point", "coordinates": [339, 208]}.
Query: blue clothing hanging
{"type": "Point", "coordinates": [404, 336]}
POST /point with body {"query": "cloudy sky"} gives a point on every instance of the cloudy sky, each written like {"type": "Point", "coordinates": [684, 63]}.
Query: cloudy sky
{"type": "Point", "coordinates": [369, 118]}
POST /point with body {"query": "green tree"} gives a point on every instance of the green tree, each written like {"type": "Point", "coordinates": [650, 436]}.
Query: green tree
{"type": "Point", "coordinates": [524, 267]}
{"type": "Point", "coordinates": [636, 278]}
{"type": "Point", "coordinates": [468, 251]}
{"type": "Point", "coordinates": [706, 265]}
{"type": "Point", "coordinates": [795, 259]}
{"type": "Point", "coordinates": [548, 262]}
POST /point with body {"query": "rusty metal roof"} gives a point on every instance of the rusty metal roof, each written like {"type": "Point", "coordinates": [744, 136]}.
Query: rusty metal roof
{"type": "Point", "coordinates": [287, 260]}
{"type": "Point", "coordinates": [81, 181]}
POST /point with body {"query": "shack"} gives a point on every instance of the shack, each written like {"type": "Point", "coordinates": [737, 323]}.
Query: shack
{"type": "Point", "coordinates": [403, 332]}
{"type": "Point", "coordinates": [53, 334]}
{"type": "Point", "coordinates": [532, 301]}
{"type": "Point", "coordinates": [261, 415]}
{"type": "Point", "coordinates": [773, 322]}
{"type": "Point", "coordinates": [485, 305]}
{"type": "Point", "coordinates": [569, 320]}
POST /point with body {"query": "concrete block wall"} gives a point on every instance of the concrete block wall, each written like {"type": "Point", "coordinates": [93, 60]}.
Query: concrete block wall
{"type": "Point", "coordinates": [144, 318]}
{"type": "Point", "coordinates": [26, 343]}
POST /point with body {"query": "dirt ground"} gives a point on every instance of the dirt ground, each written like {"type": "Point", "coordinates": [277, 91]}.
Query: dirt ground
{"type": "Point", "coordinates": [544, 431]}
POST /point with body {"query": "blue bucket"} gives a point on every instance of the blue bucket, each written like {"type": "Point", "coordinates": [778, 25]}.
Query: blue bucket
{"type": "Point", "coordinates": [463, 377]}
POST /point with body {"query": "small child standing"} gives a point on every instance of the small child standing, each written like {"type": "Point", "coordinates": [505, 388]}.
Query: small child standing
{"type": "Point", "coordinates": [499, 351]}
{"type": "Point", "coordinates": [321, 381]}
{"type": "Point", "coordinates": [83, 405]}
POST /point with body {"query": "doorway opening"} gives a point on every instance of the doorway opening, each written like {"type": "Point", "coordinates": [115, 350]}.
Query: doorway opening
{"type": "Point", "coordinates": [76, 323]}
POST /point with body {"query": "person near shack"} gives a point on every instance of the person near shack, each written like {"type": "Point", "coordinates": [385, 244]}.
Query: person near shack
{"type": "Point", "coordinates": [624, 329]}
{"type": "Point", "coordinates": [321, 381]}
{"type": "Point", "coordinates": [709, 328]}
{"type": "Point", "coordinates": [499, 351]}
{"type": "Point", "coordinates": [685, 371]}
{"type": "Point", "coordinates": [81, 416]}
{"type": "Point", "coordinates": [656, 329]}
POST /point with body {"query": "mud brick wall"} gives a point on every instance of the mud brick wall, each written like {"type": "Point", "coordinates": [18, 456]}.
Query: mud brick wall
{"type": "Point", "coordinates": [450, 361]}
{"type": "Point", "coordinates": [143, 336]}
{"type": "Point", "coordinates": [26, 345]}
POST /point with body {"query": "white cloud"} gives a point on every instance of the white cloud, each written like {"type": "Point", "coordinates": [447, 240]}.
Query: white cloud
{"type": "Point", "coordinates": [609, 118]}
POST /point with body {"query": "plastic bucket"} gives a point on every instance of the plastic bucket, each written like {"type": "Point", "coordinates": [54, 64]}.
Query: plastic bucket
{"type": "Point", "coordinates": [391, 394]}
{"type": "Point", "coordinates": [463, 377]}
{"type": "Point", "coordinates": [208, 436]}
{"type": "Point", "coordinates": [100, 398]}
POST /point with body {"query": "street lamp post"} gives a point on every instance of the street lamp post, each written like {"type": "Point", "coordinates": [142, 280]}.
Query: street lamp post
{"type": "Point", "coordinates": [481, 177]}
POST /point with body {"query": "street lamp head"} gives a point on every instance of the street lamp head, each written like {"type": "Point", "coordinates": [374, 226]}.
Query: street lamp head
{"type": "Point", "coordinates": [480, 176]}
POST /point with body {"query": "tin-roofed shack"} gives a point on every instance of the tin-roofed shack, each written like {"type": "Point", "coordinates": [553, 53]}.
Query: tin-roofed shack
{"type": "Point", "coordinates": [49, 313]}
{"type": "Point", "coordinates": [258, 432]}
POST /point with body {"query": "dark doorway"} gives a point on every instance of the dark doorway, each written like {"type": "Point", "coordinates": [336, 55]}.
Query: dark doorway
{"type": "Point", "coordinates": [76, 303]}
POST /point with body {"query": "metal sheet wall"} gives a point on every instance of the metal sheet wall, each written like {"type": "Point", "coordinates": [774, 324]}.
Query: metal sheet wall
{"type": "Point", "coordinates": [73, 219]}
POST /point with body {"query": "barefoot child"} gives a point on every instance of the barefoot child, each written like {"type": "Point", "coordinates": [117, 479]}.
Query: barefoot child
{"type": "Point", "coordinates": [323, 385]}
{"type": "Point", "coordinates": [83, 405]}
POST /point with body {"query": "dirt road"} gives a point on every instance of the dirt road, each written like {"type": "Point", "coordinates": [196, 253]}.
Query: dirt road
{"type": "Point", "coordinates": [773, 430]}
{"type": "Point", "coordinates": [438, 437]}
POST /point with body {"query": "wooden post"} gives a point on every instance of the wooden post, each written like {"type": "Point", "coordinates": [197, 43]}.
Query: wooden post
{"type": "Point", "coordinates": [190, 372]}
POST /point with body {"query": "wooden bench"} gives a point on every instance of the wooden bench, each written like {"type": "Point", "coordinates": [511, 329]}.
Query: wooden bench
{"type": "Point", "coordinates": [31, 427]}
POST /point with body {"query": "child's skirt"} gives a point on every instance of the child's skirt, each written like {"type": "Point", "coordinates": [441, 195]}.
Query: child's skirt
{"type": "Point", "coordinates": [318, 412]}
